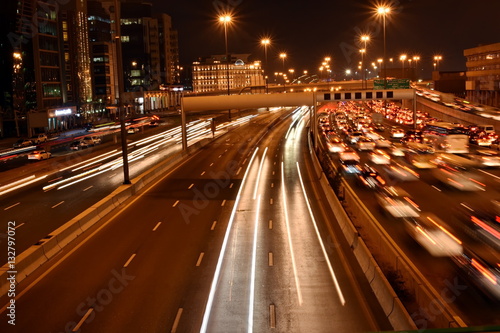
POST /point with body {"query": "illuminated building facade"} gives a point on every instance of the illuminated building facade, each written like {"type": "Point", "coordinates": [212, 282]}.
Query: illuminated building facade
{"type": "Point", "coordinates": [211, 74]}
{"type": "Point", "coordinates": [483, 74]}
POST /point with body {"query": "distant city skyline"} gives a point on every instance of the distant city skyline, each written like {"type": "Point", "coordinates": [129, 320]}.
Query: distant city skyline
{"type": "Point", "coordinates": [309, 32]}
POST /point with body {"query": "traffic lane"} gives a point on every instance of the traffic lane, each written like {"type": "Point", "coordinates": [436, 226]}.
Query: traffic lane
{"type": "Point", "coordinates": [128, 224]}
{"type": "Point", "coordinates": [441, 272]}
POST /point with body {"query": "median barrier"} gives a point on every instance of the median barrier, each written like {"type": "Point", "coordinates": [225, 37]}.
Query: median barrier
{"type": "Point", "coordinates": [67, 232]}
{"type": "Point", "coordinates": [28, 261]}
{"type": "Point", "coordinates": [88, 218]}
{"type": "Point", "coordinates": [50, 247]}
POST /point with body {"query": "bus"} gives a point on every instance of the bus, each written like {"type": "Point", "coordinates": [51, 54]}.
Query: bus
{"type": "Point", "coordinates": [446, 137]}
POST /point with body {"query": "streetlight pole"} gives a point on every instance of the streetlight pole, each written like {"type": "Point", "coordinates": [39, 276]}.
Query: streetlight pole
{"type": "Point", "coordinates": [283, 57]}
{"type": "Point", "coordinates": [382, 10]}
{"type": "Point", "coordinates": [265, 42]}
{"type": "Point", "coordinates": [364, 84]}
{"type": "Point", "coordinates": [225, 19]}
{"type": "Point", "coordinates": [403, 58]}
{"type": "Point", "coordinates": [121, 111]}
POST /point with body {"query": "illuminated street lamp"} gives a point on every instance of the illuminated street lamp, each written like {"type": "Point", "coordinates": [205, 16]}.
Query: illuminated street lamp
{"type": "Point", "coordinates": [437, 59]}
{"type": "Point", "coordinates": [403, 58]}
{"type": "Point", "coordinates": [283, 57]}
{"type": "Point", "coordinates": [265, 42]}
{"type": "Point", "coordinates": [364, 39]}
{"type": "Point", "coordinates": [384, 11]}
{"type": "Point", "coordinates": [225, 20]}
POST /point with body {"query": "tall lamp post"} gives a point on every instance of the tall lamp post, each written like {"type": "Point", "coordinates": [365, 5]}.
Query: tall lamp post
{"type": "Point", "coordinates": [384, 11]}
{"type": "Point", "coordinates": [283, 57]}
{"type": "Point", "coordinates": [403, 58]}
{"type": "Point", "coordinates": [364, 39]}
{"type": "Point", "coordinates": [416, 59]}
{"type": "Point", "coordinates": [265, 42]}
{"type": "Point", "coordinates": [226, 19]}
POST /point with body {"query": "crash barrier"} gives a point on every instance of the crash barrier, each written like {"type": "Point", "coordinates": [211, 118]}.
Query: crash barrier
{"type": "Point", "coordinates": [382, 246]}
{"type": "Point", "coordinates": [36, 255]}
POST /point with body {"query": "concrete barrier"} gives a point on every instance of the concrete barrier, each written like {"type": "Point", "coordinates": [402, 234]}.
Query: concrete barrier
{"type": "Point", "coordinates": [51, 247]}
{"type": "Point", "coordinates": [28, 261]}
{"type": "Point", "coordinates": [67, 232]}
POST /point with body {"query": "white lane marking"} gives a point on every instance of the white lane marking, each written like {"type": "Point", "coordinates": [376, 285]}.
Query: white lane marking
{"type": "Point", "coordinates": [218, 267]}
{"type": "Point", "coordinates": [251, 301]}
{"type": "Point", "coordinates": [270, 259]}
{"type": "Point", "coordinates": [211, 164]}
{"type": "Point", "coordinates": [223, 203]}
{"type": "Point", "coordinates": [231, 186]}
{"type": "Point", "coordinates": [200, 258]}
{"type": "Point", "coordinates": [290, 244]}
{"type": "Point", "coordinates": [464, 205]}
{"type": "Point", "coordinates": [157, 225]}
{"type": "Point", "coordinates": [244, 161]}
{"type": "Point", "coordinates": [202, 173]}
{"type": "Point", "coordinates": [238, 172]}
{"type": "Point", "coordinates": [271, 201]}
{"type": "Point", "coordinates": [19, 225]}
{"type": "Point", "coordinates": [220, 156]}
{"type": "Point", "coordinates": [490, 174]}
{"type": "Point", "coordinates": [190, 186]}
{"type": "Point", "coordinates": [12, 206]}
{"type": "Point", "coordinates": [257, 181]}
{"type": "Point", "coordinates": [436, 188]}
{"type": "Point", "coordinates": [270, 224]}
{"type": "Point", "coordinates": [272, 185]}
{"type": "Point", "coordinates": [213, 225]}
{"type": "Point", "coordinates": [58, 204]}
{"type": "Point", "coordinates": [88, 188]}
{"type": "Point", "coordinates": [325, 254]}
{"type": "Point", "coordinates": [80, 323]}
{"type": "Point", "coordinates": [175, 203]}
{"type": "Point", "coordinates": [129, 260]}
{"type": "Point", "coordinates": [272, 316]}
{"type": "Point", "coordinates": [176, 321]}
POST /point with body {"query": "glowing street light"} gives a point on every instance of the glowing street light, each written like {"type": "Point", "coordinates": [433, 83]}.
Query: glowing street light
{"type": "Point", "coordinates": [225, 20]}
{"type": "Point", "coordinates": [403, 58]}
{"type": "Point", "coordinates": [437, 59]}
{"type": "Point", "coordinates": [265, 42]}
{"type": "Point", "coordinates": [364, 39]}
{"type": "Point", "coordinates": [384, 11]}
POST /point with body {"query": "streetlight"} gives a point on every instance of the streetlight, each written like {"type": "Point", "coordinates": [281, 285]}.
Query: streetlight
{"type": "Point", "coordinates": [416, 59]}
{"type": "Point", "coordinates": [283, 57]}
{"type": "Point", "coordinates": [225, 20]}
{"type": "Point", "coordinates": [403, 58]}
{"type": "Point", "coordinates": [437, 59]}
{"type": "Point", "coordinates": [265, 42]}
{"type": "Point", "coordinates": [362, 51]}
{"type": "Point", "coordinates": [384, 11]}
{"type": "Point", "coordinates": [364, 39]}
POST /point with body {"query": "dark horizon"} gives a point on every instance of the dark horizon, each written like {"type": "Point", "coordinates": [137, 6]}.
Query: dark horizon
{"type": "Point", "coordinates": [331, 28]}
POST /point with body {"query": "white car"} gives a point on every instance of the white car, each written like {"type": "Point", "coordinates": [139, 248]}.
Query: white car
{"type": "Point", "coordinates": [434, 235]}
{"type": "Point", "coordinates": [39, 155]}
{"type": "Point", "coordinates": [397, 149]}
{"type": "Point", "coordinates": [365, 143]}
{"type": "Point", "coordinates": [380, 157]}
{"type": "Point", "coordinates": [382, 142]}
{"type": "Point", "coordinates": [397, 132]}
{"type": "Point", "coordinates": [486, 158]}
{"type": "Point", "coordinates": [132, 130]}
{"type": "Point", "coordinates": [397, 202]}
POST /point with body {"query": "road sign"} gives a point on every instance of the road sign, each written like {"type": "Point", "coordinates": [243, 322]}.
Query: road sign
{"type": "Point", "coordinates": [392, 84]}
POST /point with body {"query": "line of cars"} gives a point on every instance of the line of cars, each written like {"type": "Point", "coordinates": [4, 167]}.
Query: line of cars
{"type": "Point", "coordinates": [85, 142]}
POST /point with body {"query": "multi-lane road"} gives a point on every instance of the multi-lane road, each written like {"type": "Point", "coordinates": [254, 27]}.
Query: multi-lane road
{"type": "Point", "coordinates": [235, 239]}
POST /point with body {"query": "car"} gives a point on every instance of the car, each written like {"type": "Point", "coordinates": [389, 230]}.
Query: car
{"type": "Point", "coordinates": [91, 140]}
{"type": "Point", "coordinates": [482, 268]}
{"type": "Point", "coordinates": [397, 150]}
{"type": "Point", "coordinates": [365, 143]}
{"type": "Point", "coordinates": [397, 202]}
{"type": "Point", "coordinates": [480, 139]}
{"type": "Point", "coordinates": [457, 177]}
{"type": "Point", "coordinates": [353, 137]}
{"type": "Point", "coordinates": [379, 156]}
{"type": "Point", "coordinates": [369, 177]}
{"type": "Point", "coordinates": [39, 155]}
{"type": "Point", "coordinates": [485, 158]}
{"type": "Point", "coordinates": [22, 143]}
{"type": "Point", "coordinates": [433, 235]}
{"type": "Point", "coordinates": [382, 142]}
{"type": "Point", "coordinates": [397, 132]}
{"type": "Point", "coordinates": [349, 161]}
{"type": "Point", "coordinates": [335, 144]}
{"type": "Point", "coordinates": [132, 130]}
{"type": "Point", "coordinates": [378, 127]}
{"type": "Point", "coordinates": [412, 136]}
{"type": "Point", "coordinates": [400, 172]}
{"type": "Point", "coordinates": [39, 138]}
{"type": "Point", "coordinates": [77, 145]}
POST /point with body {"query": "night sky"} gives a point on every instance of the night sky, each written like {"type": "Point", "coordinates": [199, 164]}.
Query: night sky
{"type": "Point", "coordinates": [310, 30]}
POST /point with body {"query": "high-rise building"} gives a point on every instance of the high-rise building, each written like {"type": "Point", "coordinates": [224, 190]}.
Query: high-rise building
{"type": "Point", "coordinates": [211, 73]}
{"type": "Point", "coordinates": [483, 74]}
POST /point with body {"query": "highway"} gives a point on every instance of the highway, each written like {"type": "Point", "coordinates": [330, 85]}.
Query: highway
{"type": "Point", "coordinates": [226, 242]}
